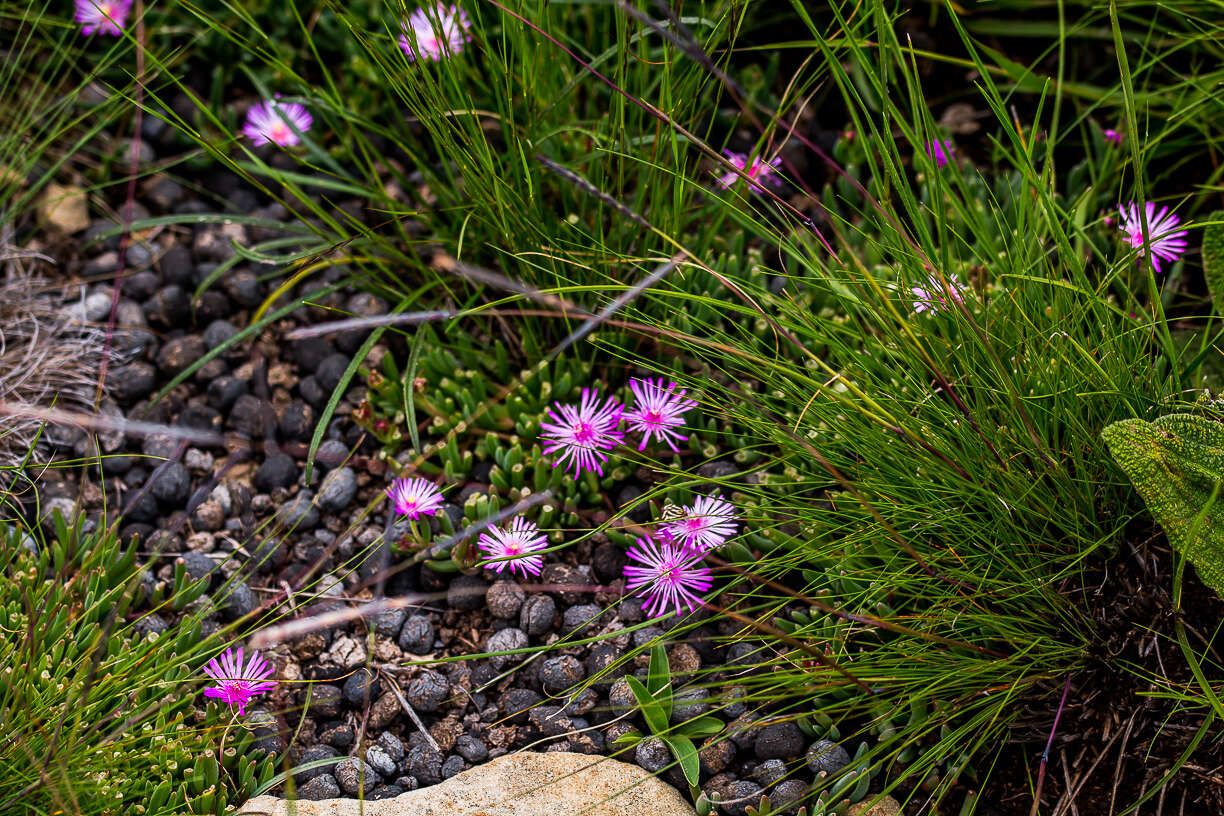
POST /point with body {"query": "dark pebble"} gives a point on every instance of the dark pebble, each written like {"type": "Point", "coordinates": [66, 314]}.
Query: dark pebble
{"type": "Point", "coordinates": [779, 741]}
{"type": "Point", "coordinates": [425, 763]}
{"type": "Point", "coordinates": [558, 674]}
{"type": "Point", "coordinates": [201, 418]}
{"type": "Point", "coordinates": [177, 268]}
{"type": "Point", "coordinates": [313, 754]}
{"type": "Point", "coordinates": [323, 786]}
{"type": "Point", "coordinates": [580, 619]}
{"type": "Point", "coordinates": [827, 756]}
{"type": "Point", "coordinates": [330, 371]}
{"type": "Point", "coordinates": [551, 720]}
{"type": "Point", "coordinates": [427, 692]}
{"type": "Point", "coordinates": [198, 565]}
{"type": "Point", "coordinates": [299, 513]}
{"type": "Point", "coordinates": [331, 454]}
{"type": "Point", "coordinates": [218, 332]}
{"type": "Point", "coordinates": [309, 353]}
{"type": "Point", "coordinates": [770, 772]}
{"type": "Point", "coordinates": [298, 421]}
{"type": "Point", "coordinates": [384, 792]}
{"type": "Point", "coordinates": [362, 687]}
{"type": "Point", "coordinates": [608, 562]}
{"type": "Point", "coordinates": [389, 623]}
{"type": "Point", "coordinates": [132, 382]}
{"type": "Point", "coordinates": [787, 794]}
{"type": "Point", "coordinates": [355, 776]}
{"type": "Point", "coordinates": [602, 657]}
{"type": "Point", "coordinates": [381, 761]}
{"type": "Point", "coordinates": [171, 483]}
{"type": "Point", "coordinates": [239, 602]}
{"type": "Point", "coordinates": [314, 394]}
{"type": "Point", "coordinates": [392, 745]}
{"type": "Point", "coordinates": [453, 765]}
{"type": "Point", "coordinates": [243, 288]}
{"type": "Point", "coordinates": [537, 614]}
{"type": "Point", "coordinates": [141, 285]}
{"type": "Point", "coordinates": [325, 700]}
{"type": "Point", "coordinates": [249, 415]}
{"type": "Point", "coordinates": [505, 599]}
{"type": "Point", "coordinates": [417, 635]}
{"type": "Point", "coordinates": [471, 749]}
{"type": "Point", "coordinates": [341, 737]}
{"type": "Point", "coordinates": [741, 795]}
{"type": "Point", "coordinates": [640, 513]}
{"type": "Point", "coordinates": [516, 703]}
{"type": "Point", "coordinates": [337, 490]}
{"type": "Point", "coordinates": [278, 470]}
{"type": "Point", "coordinates": [466, 593]}
{"type": "Point", "coordinates": [168, 308]}
{"type": "Point", "coordinates": [505, 640]}
{"type": "Point", "coordinates": [652, 755]}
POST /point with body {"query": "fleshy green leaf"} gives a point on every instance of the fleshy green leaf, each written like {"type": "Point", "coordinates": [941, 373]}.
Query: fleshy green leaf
{"type": "Point", "coordinates": [686, 754]}
{"type": "Point", "coordinates": [652, 709]}
{"type": "Point", "coordinates": [1177, 465]}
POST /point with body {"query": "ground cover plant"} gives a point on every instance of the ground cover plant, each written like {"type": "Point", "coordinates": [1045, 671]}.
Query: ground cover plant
{"type": "Point", "coordinates": [809, 333]}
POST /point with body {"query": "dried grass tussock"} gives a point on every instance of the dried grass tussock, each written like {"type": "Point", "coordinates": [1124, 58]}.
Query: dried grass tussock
{"type": "Point", "coordinates": [48, 355]}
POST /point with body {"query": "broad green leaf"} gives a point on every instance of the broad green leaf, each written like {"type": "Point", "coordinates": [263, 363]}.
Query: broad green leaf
{"type": "Point", "coordinates": [652, 710]}
{"type": "Point", "coordinates": [659, 672]}
{"type": "Point", "coordinates": [686, 753]}
{"type": "Point", "coordinates": [703, 727]}
{"type": "Point", "coordinates": [1177, 465]}
{"type": "Point", "coordinates": [1213, 259]}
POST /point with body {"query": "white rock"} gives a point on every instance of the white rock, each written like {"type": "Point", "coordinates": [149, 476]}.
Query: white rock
{"type": "Point", "coordinates": [523, 784]}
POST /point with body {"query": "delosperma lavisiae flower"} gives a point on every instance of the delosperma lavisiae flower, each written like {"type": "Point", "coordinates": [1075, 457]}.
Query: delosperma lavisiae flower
{"type": "Point", "coordinates": [514, 546]}
{"type": "Point", "coordinates": [934, 297]}
{"type": "Point", "coordinates": [1167, 242]}
{"type": "Point", "coordinates": [758, 172]}
{"type": "Point", "coordinates": [274, 122]}
{"type": "Point", "coordinates": [434, 32]}
{"type": "Point", "coordinates": [238, 681]}
{"type": "Point", "coordinates": [670, 575]}
{"type": "Point", "coordinates": [414, 497]}
{"type": "Point", "coordinates": [102, 16]}
{"type": "Point", "coordinates": [941, 151]}
{"type": "Point", "coordinates": [705, 525]}
{"type": "Point", "coordinates": [657, 411]}
{"type": "Point", "coordinates": [1112, 135]}
{"type": "Point", "coordinates": [580, 432]}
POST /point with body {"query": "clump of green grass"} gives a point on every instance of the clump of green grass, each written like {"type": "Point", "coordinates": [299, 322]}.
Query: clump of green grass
{"type": "Point", "coordinates": [99, 717]}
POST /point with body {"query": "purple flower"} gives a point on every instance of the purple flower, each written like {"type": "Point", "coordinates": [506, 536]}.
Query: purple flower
{"type": "Point", "coordinates": [935, 297]}
{"type": "Point", "coordinates": [434, 32]}
{"type": "Point", "coordinates": [277, 123]}
{"type": "Point", "coordinates": [706, 525]}
{"type": "Point", "coordinates": [237, 682]}
{"type": "Point", "coordinates": [414, 497]}
{"type": "Point", "coordinates": [1166, 243]}
{"type": "Point", "coordinates": [511, 543]}
{"type": "Point", "coordinates": [657, 410]}
{"type": "Point", "coordinates": [581, 431]}
{"type": "Point", "coordinates": [941, 151]}
{"type": "Point", "coordinates": [670, 575]}
{"type": "Point", "coordinates": [757, 171]}
{"type": "Point", "coordinates": [102, 16]}
{"type": "Point", "coordinates": [1112, 135]}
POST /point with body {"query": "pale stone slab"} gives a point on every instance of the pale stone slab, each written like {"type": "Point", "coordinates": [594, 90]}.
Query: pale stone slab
{"type": "Point", "coordinates": [524, 784]}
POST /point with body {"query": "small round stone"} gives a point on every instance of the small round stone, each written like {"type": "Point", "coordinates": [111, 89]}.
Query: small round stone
{"type": "Point", "coordinates": [355, 776]}
{"type": "Point", "coordinates": [621, 697]}
{"type": "Point", "coordinates": [717, 755]}
{"type": "Point", "coordinates": [580, 618]}
{"type": "Point", "coordinates": [278, 470]}
{"type": "Point", "coordinates": [600, 661]}
{"type": "Point", "coordinates": [427, 692]}
{"type": "Point", "coordinates": [689, 704]}
{"type": "Point", "coordinates": [417, 635]}
{"type": "Point", "coordinates": [313, 754]}
{"type": "Point", "coordinates": [331, 454]}
{"type": "Point", "coordinates": [171, 483]}
{"type": "Point", "coordinates": [452, 765]}
{"type": "Point", "coordinates": [741, 795]}
{"type": "Point", "coordinates": [325, 700]}
{"type": "Point", "coordinates": [471, 749]}
{"type": "Point", "coordinates": [517, 703]}
{"type": "Point", "coordinates": [505, 599]}
{"type": "Point", "coordinates": [389, 623]}
{"type": "Point", "coordinates": [827, 756]}
{"type": "Point", "coordinates": [505, 640]}
{"type": "Point", "coordinates": [337, 490]}
{"type": "Point", "coordinates": [425, 763]}
{"type": "Point", "coordinates": [299, 513]}
{"type": "Point", "coordinates": [558, 674]}
{"type": "Point", "coordinates": [362, 687]}
{"type": "Point", "coordinates": [536, 616]}
{"type": "Point", "coordinates": [392, 745]}
{"type": "Point", "coordinates": [779, 741]}
{"type": "Point", "coordinates": [323, 786]}
{"type": "Point", "coordinates": [466, 593]}
{"type": "Point", "coordinates": [769, 772]}
{"type": "Point", "coordinates": [381, 761]}
{"type": "Point", "coordinates": [652, 754]}
{"type": "Point", "coordinates": [789, 792]}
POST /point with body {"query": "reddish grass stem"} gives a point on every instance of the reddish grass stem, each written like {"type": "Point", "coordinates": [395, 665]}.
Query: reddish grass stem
{"type": "Point", "coordinates": [1045, 755]}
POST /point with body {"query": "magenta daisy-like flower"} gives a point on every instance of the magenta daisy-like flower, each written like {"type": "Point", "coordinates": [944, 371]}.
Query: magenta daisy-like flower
{"type": "Point", "coordinates": [670, 575]}
{"type": "Point", "coordinates": [278, 123]}
{"type": "Point", "coordinates": [434, 32]}
{"type": "Point", "coordinates": [657, 410]}
{"type": "Point", "coordinates": [581, 431]}
{"type": "Point", "coordinates": [514, 545]}
{"type": "Point", "coordinates": [705, 525]}
{"type": "Point", "coordinates": [238, 681]}
{"type": "Point", "coordinates": [934, 296]}
{"type": "Point", "coordinates": [941, 151]}
{"type": "Point", "coordinates": [102, 16]}
{"type": "Point", "coordinates": [758, 172]}
{"type": "Point", "coordinates": [1112, 135]}
{"type": "Point", "coordinates": [1167, 242]}
{"type": "Point", "coordinates": [414, 497]}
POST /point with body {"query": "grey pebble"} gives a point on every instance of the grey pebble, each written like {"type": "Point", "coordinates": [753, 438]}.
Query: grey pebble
{"type": "Point", "coordinates": [652, 755]}
{"type": "Point", "coordinates": [427, 692]}
{"type": "Point", "coordinates": [356, 776]}
{"type": "Point", "coordinates": [828, 756]}
{"type": "Point", "coordinates": [505, 640]}
{"type": "Point", "coordinates": [453, 765]}
{"type": "Point", "coordinates": [417, 635]}
{"type": "Point", "coordinates": [536, 616]}
{"type": "Point", "coordinates": [298, 513]}
{"type": "Point", "coordinates": [557, 674]}
{"type": "Point", "coordinates": [337, 490]}
{"type": "Point", "coordinates": [381, 761]}
{"type": "Point", "coordinates": [323, 786]}
{"type": "Point", "coordinates": [505, 599]}
{"type": "Point", "coordinates": [471, 749]}
{"type": "Point", "coordinates": [779, 741]}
